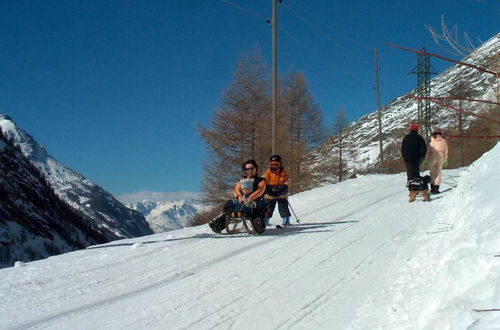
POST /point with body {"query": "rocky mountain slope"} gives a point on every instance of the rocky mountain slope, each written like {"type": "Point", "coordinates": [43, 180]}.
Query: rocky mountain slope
{"type": "Point", "coordinates": [103, 210]}
{"type": "Point", "coordinates": [34, 222]}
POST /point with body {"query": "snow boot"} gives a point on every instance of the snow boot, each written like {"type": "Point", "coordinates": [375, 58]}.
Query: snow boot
{"type": "Point", "coordinates": [258, 225]}
{"type": "Point", "coordinates": [286, 221]}
{"type": "Point", "coordinates": [218, 224]}
{"type": "Point", "coordinates": [434, 189]}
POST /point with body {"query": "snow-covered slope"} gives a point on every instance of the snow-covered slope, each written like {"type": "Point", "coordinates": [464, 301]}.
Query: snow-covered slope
{"type": "Point", "coordinates": [361, 137]}
{"type": "Point", "coordinates": [168, 215]}
{"type": "Point", "coordinates": [361, 258]}
{"type": "Point", "coordinates": [78, 192]}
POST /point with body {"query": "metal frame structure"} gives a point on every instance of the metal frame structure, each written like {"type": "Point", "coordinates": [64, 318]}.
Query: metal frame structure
{"type": "Point", "coordinates": [423, 70]}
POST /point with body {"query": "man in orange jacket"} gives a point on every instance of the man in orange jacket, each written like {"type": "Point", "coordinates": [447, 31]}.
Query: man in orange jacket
{"type": "Point", "coordinates": [277, 190]}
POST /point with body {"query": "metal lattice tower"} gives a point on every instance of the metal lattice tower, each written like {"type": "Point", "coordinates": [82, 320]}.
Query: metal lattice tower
{"type": "Point", "coordinates": [424, 71]}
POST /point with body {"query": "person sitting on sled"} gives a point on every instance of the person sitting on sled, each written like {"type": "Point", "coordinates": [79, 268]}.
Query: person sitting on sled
{"type": "Point", "coordinates": [277, 190]}
{"type": "Point", "coordinates": [248, 198]}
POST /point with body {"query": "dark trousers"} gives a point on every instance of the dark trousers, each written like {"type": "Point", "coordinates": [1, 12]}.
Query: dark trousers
{"type": "Point", "coordinates": [233, 205]}
{"type": "Point", "coordinates": [282, 207]}
{"type": "Point", "coordinates": [412, 168]}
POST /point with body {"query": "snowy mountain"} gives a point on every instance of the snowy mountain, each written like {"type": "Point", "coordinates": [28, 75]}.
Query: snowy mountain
{"type": "Point", "coordinates": [361, 137]}
{"type": "Point", "coordinates": [108, 216]}
{"type": "Point", "coordinates": [362, 257]}
{"type": "Point", "coordinates": [168, 215]}
{"type": "Point", "coordinates": [34, 222]}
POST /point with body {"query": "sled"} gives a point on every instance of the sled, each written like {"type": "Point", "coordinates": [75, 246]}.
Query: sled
{"type": "Point", "coordinates": [236, 222]}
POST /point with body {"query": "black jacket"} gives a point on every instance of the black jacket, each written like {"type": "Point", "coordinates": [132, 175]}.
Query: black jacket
{"type": "Point", "coordinates": [413, 146]}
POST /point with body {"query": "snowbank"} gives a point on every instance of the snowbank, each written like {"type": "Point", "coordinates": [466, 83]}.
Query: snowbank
{"type": "Point", "coordinates": [456, 269]}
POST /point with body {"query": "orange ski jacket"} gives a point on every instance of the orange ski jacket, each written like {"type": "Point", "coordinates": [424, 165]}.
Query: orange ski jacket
{"type": "Point", "coordinates": [278, 178]}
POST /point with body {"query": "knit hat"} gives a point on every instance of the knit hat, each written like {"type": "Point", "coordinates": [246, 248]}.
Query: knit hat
{"type": "Point", "coordinates": [275, 158]}
{"type": "Point", "coordinates": [413, 127]}
{"type": "Point", "coordinates": [437, 130]}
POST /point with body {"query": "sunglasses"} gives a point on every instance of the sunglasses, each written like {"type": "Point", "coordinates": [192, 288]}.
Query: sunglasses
{"type": "Point", "coordinates": [249, 168]}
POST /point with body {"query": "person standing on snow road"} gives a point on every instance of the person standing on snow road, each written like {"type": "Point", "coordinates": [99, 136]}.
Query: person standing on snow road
{"type": "Point", "coordinates": [413, 150]}
{"type": "Point", "coordinates": [277, 190]}
{"type": "Point", "coordinates": [437, 157]}
{"type": "Point", "coordinates": [249, 189]}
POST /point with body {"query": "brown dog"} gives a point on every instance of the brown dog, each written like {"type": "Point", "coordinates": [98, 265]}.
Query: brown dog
{"type": "Point", "coordinates": [419, 185]}
{"type": "Point", "coordinates": [424, 193]}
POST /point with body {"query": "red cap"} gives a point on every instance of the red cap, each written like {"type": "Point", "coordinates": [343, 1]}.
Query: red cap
{"type": "Point", "coordinates": [414, 127]}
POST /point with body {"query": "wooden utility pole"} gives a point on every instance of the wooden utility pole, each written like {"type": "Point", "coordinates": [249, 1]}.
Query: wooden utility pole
{"type": "Point", "coordinates": [275, 78]}
{"type": "Point", "coordinates": [379, 115]}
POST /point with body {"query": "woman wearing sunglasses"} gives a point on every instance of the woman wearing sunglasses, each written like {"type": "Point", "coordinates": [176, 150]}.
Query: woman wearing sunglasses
{"type": "Point", "coordinates": [248, 199]}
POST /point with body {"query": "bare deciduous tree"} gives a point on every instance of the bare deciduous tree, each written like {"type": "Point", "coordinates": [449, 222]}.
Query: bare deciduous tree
{"type": "Point", "coordinates": [239, 129]}
{"type": "Point", "coordinates": [302, 128]}
{"type": "Point", "coordinates": [450, 41]}
{"type": "Point", "coordinates": [339, 125]}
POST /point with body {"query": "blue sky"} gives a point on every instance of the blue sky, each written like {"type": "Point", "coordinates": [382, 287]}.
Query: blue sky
{"type": "Point", "coordinates": [114, 89]}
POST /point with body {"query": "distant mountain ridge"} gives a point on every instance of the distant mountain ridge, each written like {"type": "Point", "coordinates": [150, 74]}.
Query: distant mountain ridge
{"type": "Point", "coordinates": [361, 138]}
{"type": "Point", "coordinates": [168, 215]}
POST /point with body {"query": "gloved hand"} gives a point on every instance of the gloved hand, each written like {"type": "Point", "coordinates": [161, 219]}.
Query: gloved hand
{"type": "Point", "coordinates": [445, 163]}
{"type": "Point", "coordinates": [273, 189]}
{"type": "Point", "coordinates": [283, 189]}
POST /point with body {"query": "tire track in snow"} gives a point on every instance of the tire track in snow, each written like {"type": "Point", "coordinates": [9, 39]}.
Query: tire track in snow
{"type": "Point", "coordinates": [99, 303]}
{"type": "Point", "coordinates": [236, 308]}
{"type": "Point", "coordinates": [321, 300]}
{"type": "Point", "coordinates": [310, 249]}
{"type": "Point", "coordinates": [286, 268]}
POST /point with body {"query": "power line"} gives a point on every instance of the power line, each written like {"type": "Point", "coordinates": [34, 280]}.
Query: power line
{"type": "Point", "coordinates": [297, 40]}
{"type": "Point", "coordinates": [319, 20]}
{"type": "Point", "coordinates": [303, 44]}
{"type": "Point", "coordinates": [245, 9]}
{"type": "Point", "coordinates": [321, 33]}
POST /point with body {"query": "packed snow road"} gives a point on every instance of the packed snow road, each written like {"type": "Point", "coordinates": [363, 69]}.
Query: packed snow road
{"type": "Point", "coordinates": [334, 270]}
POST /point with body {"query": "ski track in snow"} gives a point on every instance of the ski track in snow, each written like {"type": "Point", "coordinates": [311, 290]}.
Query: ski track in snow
{"type": "Point", "coordinates": [176, 276]}
{"type": "Point", "coordinates": [324, 270]}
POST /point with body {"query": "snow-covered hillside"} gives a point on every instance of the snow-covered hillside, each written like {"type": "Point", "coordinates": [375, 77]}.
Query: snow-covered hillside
{"type": "Point", "coordinates": [361, 137]}
{"type": "Point", "coordinates": [361, 258]}
{"type": "Point", "coordinates": [168, 215]}
{"type": "Point", "coordinates": [34, 222]}
{"type": "Point", "coordinates": [111, 218]}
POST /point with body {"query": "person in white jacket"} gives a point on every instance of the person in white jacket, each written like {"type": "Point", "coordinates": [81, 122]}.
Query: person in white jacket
{"type": "Point", "coordinates": [437, 157]}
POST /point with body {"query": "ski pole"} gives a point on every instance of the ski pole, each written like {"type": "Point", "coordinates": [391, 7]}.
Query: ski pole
{"type": "Point", "coordinates": [298, 221]}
